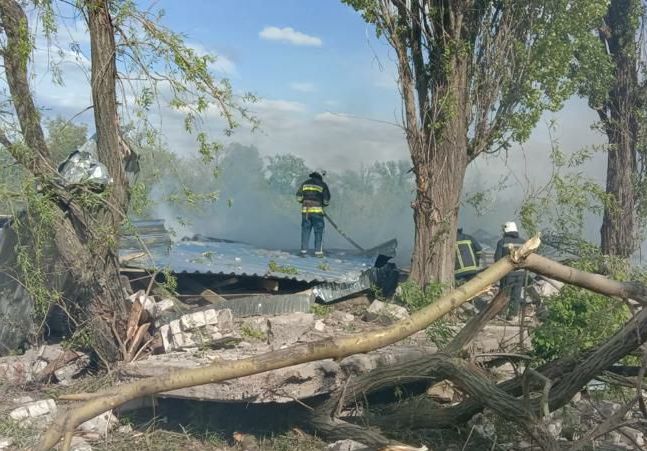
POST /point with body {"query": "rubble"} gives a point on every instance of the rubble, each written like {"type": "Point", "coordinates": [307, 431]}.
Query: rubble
{"type": "Point", "coordinates": [277, 386]}
{"type": "Point", "coordinates": [164, 305]}
{"type": "Point", "coordinates": [197, 329]}
{"type": "Point", "coordinates": [543, 288]}
{"type": "Point", "coordinates": [346, 445]}
{"type": "Point", "coordinates": [34, 411]}
{"type": "Point", "coordinates": [267, 304]}
{"type": "Point", "coordinates": [101, 424]}
{"type": "Point", "coordinates": [5, 442]}
{"type": "Point", "coordinates": [442, 392]}
{"type": "Point", "coordinates": [148, 302]}
{"type": "Point", "coordinates": [80, 444]}
{"type": "Point", "coordinates": [379, 308]}
{"type": "Point", "coordinates": [29, 367]}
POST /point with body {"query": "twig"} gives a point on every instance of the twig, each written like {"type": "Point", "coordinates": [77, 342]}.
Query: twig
{"type": "Point", "coordinates": [287, 395]}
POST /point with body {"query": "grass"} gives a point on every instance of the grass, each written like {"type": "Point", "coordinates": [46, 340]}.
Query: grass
{"type": "Point", "coordinates": [249, 331]}
{"type": "Point", "coordinates": [275, 267]}
{"type": "Point", "coordinates": [320, 311]}
{"type": "Point", "coordinates": [23, 437]}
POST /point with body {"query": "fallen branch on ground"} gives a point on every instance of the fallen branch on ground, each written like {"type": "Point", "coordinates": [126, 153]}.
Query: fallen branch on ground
{"type": "Point", "coordinates": [337, 348]}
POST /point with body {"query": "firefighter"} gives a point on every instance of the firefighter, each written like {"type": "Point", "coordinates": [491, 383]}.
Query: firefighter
{"type": "Point", "coordinates": [513, 283]}
{"type": "Point", "coordinates": [313, 195]}
{"type": "Point", "coordinates": [468, 257]}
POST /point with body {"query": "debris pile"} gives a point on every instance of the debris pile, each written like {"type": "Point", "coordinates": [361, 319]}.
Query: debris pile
{"type": "Point", "coordinates": [232, 300]}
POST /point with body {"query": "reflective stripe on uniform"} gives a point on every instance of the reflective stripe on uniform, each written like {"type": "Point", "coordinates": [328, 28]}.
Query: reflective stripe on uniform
{"type": "Point", "coordinates": [468, 264]}
{"type": "Point", "coordinates": [312, 210]}
{"type": "Point", "coordinates": [316, 188]}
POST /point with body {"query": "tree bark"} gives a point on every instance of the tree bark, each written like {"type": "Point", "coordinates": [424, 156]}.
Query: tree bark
{"type": "Point", "coordinates": [569, 376]}
{"type": "Point", "coordinates": [435, 212]}
{"type": "Point", "coordinates": [620, 119]}
{"type": "Point", "coordinates": [85, 237]}
{"type": "Point", "coordinates": [436, 130]}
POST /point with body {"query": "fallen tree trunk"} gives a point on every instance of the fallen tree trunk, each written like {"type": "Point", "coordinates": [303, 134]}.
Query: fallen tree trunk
{"type": "Point", "coordinates": [66, 423]}
{"type": "Point", "coordinates": [469, 378]}
{"type": "Point", "coordinates": [594, 282]}
{"type": "Point", "coordinates": [477, 323]}
{"type": "Point", "coordinates": [325, 418]}
{"type": "Point", "coordinates": [569, 376]}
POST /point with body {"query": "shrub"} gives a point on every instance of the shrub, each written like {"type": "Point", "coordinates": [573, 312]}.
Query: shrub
{"type": "Point", "coordinates": [415, 298]}
{"type": "Point", "coordinates": [577, 320]}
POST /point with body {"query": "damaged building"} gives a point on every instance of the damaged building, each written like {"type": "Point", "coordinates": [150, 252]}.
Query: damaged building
{"type": "Point", "coordinates": [212, 272]}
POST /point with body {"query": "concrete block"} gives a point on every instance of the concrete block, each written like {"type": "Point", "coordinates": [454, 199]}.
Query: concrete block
{"type": "Point", "coordinates": [175, 326]}
{"type": "Point", "coordinates": [165, 305]}
{"type": "Point", "coordinates": [100, 424]}
{"type": "Point", "coordinates": [34, 409]}
{"type": "Point", "coordinates": [381, 308]}
{"type": "Point", "coordinates": [211, 317]}
{"type": "Point", "coordinates": [192, 321]}
{"type": "Point", "coordinates": [165, 333]}
{"type": "Point", "coordinates": [226, 319]}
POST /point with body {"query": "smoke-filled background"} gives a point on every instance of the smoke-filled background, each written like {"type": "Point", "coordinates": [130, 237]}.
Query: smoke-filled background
{"type": "Point", "coordinates": [255, 188]}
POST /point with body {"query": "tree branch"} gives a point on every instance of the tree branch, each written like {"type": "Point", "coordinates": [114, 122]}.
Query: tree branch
{"type": "Point", "coordinates": [16, 55]}
{"type": "Point", "coordinates": [336, 348]}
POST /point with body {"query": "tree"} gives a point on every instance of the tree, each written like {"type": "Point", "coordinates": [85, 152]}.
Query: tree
{"type": "Point", "coordinates": [63, 137]}
{"type": "Point", "coordinates": [285, 172]}
{"type": "Point", "coordinates": [620, 104]}
{"type": "Point", "coordinates": [474, 77]}
{"type": "Point", "coordinates": [83, 224]}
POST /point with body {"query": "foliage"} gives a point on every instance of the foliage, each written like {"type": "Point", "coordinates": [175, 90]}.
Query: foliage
{"type": "Point", "coordinates": [320, 310]}
{"type": "Point", "coordinates": [415, 298]}
{"type": "Point", "coordinates": [249, 331]}
{"type": "Point", "coordinates": [474, 86]}
{"type": "Point", "coordinates": [285, 172]}
{"type": "Point", "coordinates": [561, 205]}
{"type": "Point", "coordinates": [273, 266]}
{"type": "Point", "coordinates": [63, 137]}
{"type": "Point", "coordinates": [578, 319]}
{"type": "Point", "coordinates": [153, 64]}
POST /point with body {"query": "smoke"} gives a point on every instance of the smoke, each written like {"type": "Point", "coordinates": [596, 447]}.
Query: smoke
{"type": "Point", "coordinates": [371, 201]}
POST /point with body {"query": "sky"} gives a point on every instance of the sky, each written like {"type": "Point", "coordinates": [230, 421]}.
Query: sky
{"type": "Point", "coordinates": [327, 90]}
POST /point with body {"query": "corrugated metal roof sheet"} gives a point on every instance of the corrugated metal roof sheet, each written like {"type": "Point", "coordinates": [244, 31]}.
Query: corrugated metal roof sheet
{"type": "Point", "coordinates": [222, 257]}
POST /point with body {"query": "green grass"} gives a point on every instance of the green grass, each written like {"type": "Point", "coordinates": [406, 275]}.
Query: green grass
{"type": "Point", "coordinates": [320, 311]}
{"type": "Point", "coordinates": [249, 331]}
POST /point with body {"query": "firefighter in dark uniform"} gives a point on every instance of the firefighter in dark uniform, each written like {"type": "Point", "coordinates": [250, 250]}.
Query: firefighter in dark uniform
{"type": "Point", "coordinates": [513, 283]}
{"type": "Point", "coordinates": [313, 194]}
{"type": "Point", "coordinates": [468, 257]}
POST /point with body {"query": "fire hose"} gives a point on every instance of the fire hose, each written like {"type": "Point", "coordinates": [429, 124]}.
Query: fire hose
{"type": "Point", "coordinates": [342, 233]}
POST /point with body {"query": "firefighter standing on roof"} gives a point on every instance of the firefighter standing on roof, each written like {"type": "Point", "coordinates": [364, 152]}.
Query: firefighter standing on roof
{"type": "Point", "coordinates": [313, 194]}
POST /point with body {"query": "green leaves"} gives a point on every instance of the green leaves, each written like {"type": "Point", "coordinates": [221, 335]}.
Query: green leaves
{"type": "Point", "coordinates": [577, 320]}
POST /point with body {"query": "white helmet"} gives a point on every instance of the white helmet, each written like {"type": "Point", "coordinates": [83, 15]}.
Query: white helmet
{"type": "Point", "coordinates": [509, 226]}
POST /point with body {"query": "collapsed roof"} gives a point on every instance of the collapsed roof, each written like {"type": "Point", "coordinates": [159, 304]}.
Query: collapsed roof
{"type": "Point", "coordinates": [340, 273]}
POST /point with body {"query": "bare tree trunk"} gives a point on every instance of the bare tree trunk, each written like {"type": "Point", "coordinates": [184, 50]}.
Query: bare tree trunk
{"type": "Point", "coordinates": [436, 216]}
{"type": "Point", "coordinates": [620, 118]}
{"type": "Point", "coordinates": [440, 159]}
